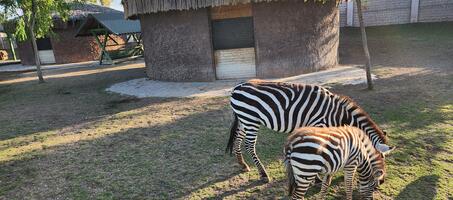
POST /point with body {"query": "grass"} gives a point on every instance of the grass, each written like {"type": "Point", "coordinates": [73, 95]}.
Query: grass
{"type": "Point", "coordinates": [69, 139]}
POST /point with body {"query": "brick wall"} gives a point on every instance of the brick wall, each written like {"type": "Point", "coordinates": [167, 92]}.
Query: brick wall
{"type": "Point", "coordinates": [386, 12]}
{"type": "Point", "coordinates": [67, 48]}
{"type": "Point", "coordinates": [342, 10]}
{"type": "Point", "coordinates": [435, 10]}
{"type": "Point", "coordinates": [70, 49]}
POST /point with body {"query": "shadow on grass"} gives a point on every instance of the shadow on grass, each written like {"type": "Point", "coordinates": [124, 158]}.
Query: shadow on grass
{"type": "Point", "coordinates": [424, 187]}
{"type": "Point", "coordinates": [173, 160]}
{"type": "Point", "coordinates": [29, 107]}
{"type": "Point", "coordinates": [162, 161]}
{"type": "Point", "coordinates": [249, 185]}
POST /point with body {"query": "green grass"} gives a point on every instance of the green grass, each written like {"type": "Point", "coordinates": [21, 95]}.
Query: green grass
{"type": "Point", "coordinates": [69, 139]}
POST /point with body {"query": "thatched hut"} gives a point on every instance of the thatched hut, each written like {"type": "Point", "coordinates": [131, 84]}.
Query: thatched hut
{"type": "Point", "coordinates": [62, 46]}
{"type": "Point", "coordinates": [204, 40]}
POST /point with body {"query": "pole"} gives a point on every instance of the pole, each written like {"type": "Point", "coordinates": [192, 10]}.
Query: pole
{"type": "Point", "coordinates": [365, 46]}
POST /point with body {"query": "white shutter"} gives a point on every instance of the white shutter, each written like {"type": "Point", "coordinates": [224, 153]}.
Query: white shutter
{"type": "Point", "coordinates": [235, 63]}
{"type": "Point", "coordinates": [46, 56]}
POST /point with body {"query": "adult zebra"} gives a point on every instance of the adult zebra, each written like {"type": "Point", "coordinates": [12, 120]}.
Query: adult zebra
{"type": "Point", "coordinates": [311, 151]}
{"type": "Point", "coordinates": [283, 107]}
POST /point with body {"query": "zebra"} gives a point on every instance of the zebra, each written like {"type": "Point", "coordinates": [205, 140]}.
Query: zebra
{"type": "Point", "coordinates": [314, 150]}
{"type": "Point", "coordinates": [283, 107]}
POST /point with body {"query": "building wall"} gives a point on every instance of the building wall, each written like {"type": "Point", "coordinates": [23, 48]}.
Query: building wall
{"type": "Point", "coordinates": [178, 45]}
{"type": "Point", "coordinates": [70, 49]}
{"type": "Point", "coordinates": [25, 52]}
{"type": "Point", "coordinates": [67, 48]}
{"type": "Point", "coordinates": [384, 12]}
{"type": "Point", "coordinates": [293, 37]}
{"type": "Point", "coordinates": [387, 12]}
{"type": "Point", "coordinates": [435, 10]}
{"type": "Point", "coordinates": [342, 9]}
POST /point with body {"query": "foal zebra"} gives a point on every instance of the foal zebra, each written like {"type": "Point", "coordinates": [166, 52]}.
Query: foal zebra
{"type": "Point", "coordinates": [283, 107]}
{"type": "Point", "coordinates": [311, 151]}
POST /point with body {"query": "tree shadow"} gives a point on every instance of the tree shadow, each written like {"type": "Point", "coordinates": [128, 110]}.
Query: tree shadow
{"type": "Point", "coordinates": [28, 107]}
{"type": "Point", "coordinates": [159, 161]}
{"type": "Point", "coordinates": [424, 187]}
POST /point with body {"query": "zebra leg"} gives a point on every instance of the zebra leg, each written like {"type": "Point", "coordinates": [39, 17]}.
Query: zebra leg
{"type": "Point", "coordinates": [302, 185]}
{"type": "Point", "coordinates": [250, 143]}
{"type": "Point", "coordinates": [349, 180]}
{"type": "Point", "coordinates": [238, 151]}
{"type": "Point", "coordinates": [325, 185]}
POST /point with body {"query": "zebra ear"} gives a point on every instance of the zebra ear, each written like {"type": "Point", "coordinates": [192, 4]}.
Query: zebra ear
{"type": "Point", "coordinates": [384, 149]}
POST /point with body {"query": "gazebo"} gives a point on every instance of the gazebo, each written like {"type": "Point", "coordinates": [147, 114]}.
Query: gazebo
{"type": "Point", "coordinates": [102, 26]}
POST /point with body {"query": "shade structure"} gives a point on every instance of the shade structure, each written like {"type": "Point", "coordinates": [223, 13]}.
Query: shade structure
{"type": "Point", "coordinates": [103, 25]}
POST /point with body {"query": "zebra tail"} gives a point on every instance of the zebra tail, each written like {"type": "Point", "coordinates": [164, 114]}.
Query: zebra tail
{"type": "Point", "coordinates": [289, 171]}
{"type": "Point", "coordinates": [233, 134]}
{"type": "Point", "coordinates": [291, 180]}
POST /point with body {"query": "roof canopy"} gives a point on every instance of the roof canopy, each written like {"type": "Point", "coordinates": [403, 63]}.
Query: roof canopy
{"type": "Point", "coordinates": [133, 8]}
{"type": "Point", "coordinates": [113, 23]}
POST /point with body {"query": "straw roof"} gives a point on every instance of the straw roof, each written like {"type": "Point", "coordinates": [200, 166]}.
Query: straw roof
{"type": "Point", "coordinates": [80, 11]}
{"type": "Point", "coordinates": [132, 8]}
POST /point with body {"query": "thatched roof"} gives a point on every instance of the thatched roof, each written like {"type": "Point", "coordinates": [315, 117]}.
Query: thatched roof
{"type": "Point", "coordinates": [133, 8]}
{"type": "Point", "coordinates": [79, 11]}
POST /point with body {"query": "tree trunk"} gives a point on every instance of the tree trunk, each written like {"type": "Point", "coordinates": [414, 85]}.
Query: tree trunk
{"type": "Point", "coordinates": [33, 42]}
{"type": "Point", "coordinates": [365, 46]}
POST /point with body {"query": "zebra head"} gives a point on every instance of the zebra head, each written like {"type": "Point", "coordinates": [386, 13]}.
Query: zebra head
{"type": "Point", "coordinates": [377, 173]}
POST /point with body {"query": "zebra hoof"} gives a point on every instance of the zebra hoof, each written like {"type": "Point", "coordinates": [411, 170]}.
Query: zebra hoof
{"type": "Point", "coordinates": [265, 179]}
{"type": "Point", "coordinates": [245, 168]}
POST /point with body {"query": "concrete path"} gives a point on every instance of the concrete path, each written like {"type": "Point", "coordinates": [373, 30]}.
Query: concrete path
{"type": "Point", "coordinates": [148, 88]}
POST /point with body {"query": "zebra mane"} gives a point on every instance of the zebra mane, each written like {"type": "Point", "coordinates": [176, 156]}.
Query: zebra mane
{"type": "Point", "coordinates": [349, 101]}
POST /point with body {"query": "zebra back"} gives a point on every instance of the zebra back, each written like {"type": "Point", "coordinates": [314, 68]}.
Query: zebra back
{"type": "Point", "coordinates": [284, 107]}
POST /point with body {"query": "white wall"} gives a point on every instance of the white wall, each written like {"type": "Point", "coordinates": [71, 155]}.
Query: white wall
{"type": "Point", "coordinates": [386, 12]}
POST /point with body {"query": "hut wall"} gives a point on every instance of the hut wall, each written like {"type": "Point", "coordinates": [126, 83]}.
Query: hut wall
{"type": "Point", "coordinates": [70, 49]}
{"type": "Point", "coordinates": [293, 37]}
{"type": "Point", "coordinates": [178, 45]}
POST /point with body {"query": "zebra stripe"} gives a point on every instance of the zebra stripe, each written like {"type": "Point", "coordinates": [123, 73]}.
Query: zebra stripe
{"type": "Point", "coordinates": [312, 151]}
{"type": "Point", "coordinates": [284, 107]}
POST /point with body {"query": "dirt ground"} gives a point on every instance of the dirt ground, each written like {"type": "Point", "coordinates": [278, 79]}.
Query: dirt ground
{"type": "Point", "coordinates": [69, 139]}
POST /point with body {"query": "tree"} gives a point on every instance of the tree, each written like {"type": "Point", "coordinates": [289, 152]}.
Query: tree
{"type": "Point", "coordinates": [34, 19]}
{"type": "Point", "coordinates": [365, 46]}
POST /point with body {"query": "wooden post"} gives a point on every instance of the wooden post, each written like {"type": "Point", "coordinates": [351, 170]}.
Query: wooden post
{"type": "Point", "coordinates": [102, 44]}
{"type": "Point", "coordinates": [365, 46]}
{"type": "Point", "coordinates": [11, 44]}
